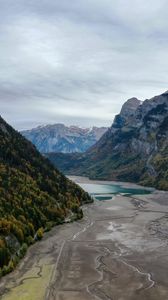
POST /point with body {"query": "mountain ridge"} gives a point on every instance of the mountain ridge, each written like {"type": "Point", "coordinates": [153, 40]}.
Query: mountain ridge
{"type": "Point", "coordinates": [60, 138]}
{"type": "Point", "coordinates": [134, 148]}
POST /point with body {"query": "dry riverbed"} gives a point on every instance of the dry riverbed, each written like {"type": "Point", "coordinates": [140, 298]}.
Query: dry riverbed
{"type": "Point", "coordinates": [119, 251]}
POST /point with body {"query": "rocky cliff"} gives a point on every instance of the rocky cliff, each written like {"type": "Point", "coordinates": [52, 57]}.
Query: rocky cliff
{"type": "Point", "coordinates": [135, 148]}
{"type": "Point", "coordinates": [60, 138]}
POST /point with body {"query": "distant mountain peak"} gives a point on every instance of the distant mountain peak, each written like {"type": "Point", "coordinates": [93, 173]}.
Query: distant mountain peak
{"type": "Point", "coordinates": [61, 138]}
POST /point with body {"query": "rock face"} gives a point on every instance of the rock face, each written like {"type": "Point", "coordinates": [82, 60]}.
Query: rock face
{"type": "Point", "coordinates": [60, 138]}
{"type": "Point", "coordinates": [135, 148]}
{"type": "Point", "coordinates": [129, 107]}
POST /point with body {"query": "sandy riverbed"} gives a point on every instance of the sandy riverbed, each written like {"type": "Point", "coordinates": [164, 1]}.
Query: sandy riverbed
{"type": "Point", "coordinates": [118, 251]}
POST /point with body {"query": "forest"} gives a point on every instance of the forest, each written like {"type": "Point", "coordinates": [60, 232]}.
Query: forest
{"type": "Point", "coordinates": [34, 197]}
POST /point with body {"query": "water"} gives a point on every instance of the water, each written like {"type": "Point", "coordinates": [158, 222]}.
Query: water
{"type": "Point", "coordinates": [106, 191]}
{"type": "Point", "coordinates": [103, 197]}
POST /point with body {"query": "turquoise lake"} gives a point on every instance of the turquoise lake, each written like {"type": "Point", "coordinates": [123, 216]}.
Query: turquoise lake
{"type": "Point", "coordinates": [106, 191]}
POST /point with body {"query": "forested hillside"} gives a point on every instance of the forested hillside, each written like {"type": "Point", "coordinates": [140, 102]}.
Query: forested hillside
{"type": "Point", "coordinates": [34, 196]}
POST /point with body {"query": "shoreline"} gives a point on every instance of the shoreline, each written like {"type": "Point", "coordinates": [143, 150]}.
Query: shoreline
{"type": "Point", "coordinates": [124, 184]}
{"type": "Point", "coordinates": [117, 249]}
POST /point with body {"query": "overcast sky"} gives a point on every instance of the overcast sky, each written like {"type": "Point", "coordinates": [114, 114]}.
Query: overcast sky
{"type": "Point", "coordinates": [77, 61]}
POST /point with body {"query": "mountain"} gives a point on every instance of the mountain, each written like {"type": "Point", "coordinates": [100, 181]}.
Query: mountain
{"type": "Point", "coordinates": [34, 196]}
{"type": "Point", "coordinates": [135, 148]}
{"type": "Point", "coordinates": [60, 138]}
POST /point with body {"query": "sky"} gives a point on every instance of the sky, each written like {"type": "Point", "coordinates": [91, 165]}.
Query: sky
{"type": "Point", "coordinates": [76, 62]}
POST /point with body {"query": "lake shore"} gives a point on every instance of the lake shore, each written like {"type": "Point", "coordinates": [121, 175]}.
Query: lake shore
{"type": "Point", "coordinates": [80, 179]}
{"type": "Point", "coordinates": [117, 251]}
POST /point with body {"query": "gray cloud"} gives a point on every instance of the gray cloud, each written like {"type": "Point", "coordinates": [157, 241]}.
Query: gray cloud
{"type": "Point", "coordinates": [77, 61]}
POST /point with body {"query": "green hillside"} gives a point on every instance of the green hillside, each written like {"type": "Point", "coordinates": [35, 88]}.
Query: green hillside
{"type": "Point", "coordinates": [34, 196]}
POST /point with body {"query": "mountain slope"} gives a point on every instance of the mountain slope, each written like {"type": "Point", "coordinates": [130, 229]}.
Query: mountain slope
{"type": "Point", "coordinates": [60, 138]}
{"type": "Point", "coordinates": [33, 196]}
{"type": "Point", "coordinates": [135, 148]}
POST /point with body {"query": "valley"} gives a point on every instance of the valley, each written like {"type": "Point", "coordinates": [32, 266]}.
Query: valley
{"type": "Point", "coordinates": [83, 150]}
{"type": "Point", "coordinates": [117, 251]}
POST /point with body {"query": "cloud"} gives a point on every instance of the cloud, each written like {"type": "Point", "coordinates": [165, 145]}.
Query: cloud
{"type": "Point", "coordinates": [78, 61]}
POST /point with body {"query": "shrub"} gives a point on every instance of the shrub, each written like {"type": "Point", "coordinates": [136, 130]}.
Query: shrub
{"type": "Point", "coordinates": [40, 233]}
{"type": "Point", "coordinates": [23, 250]}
